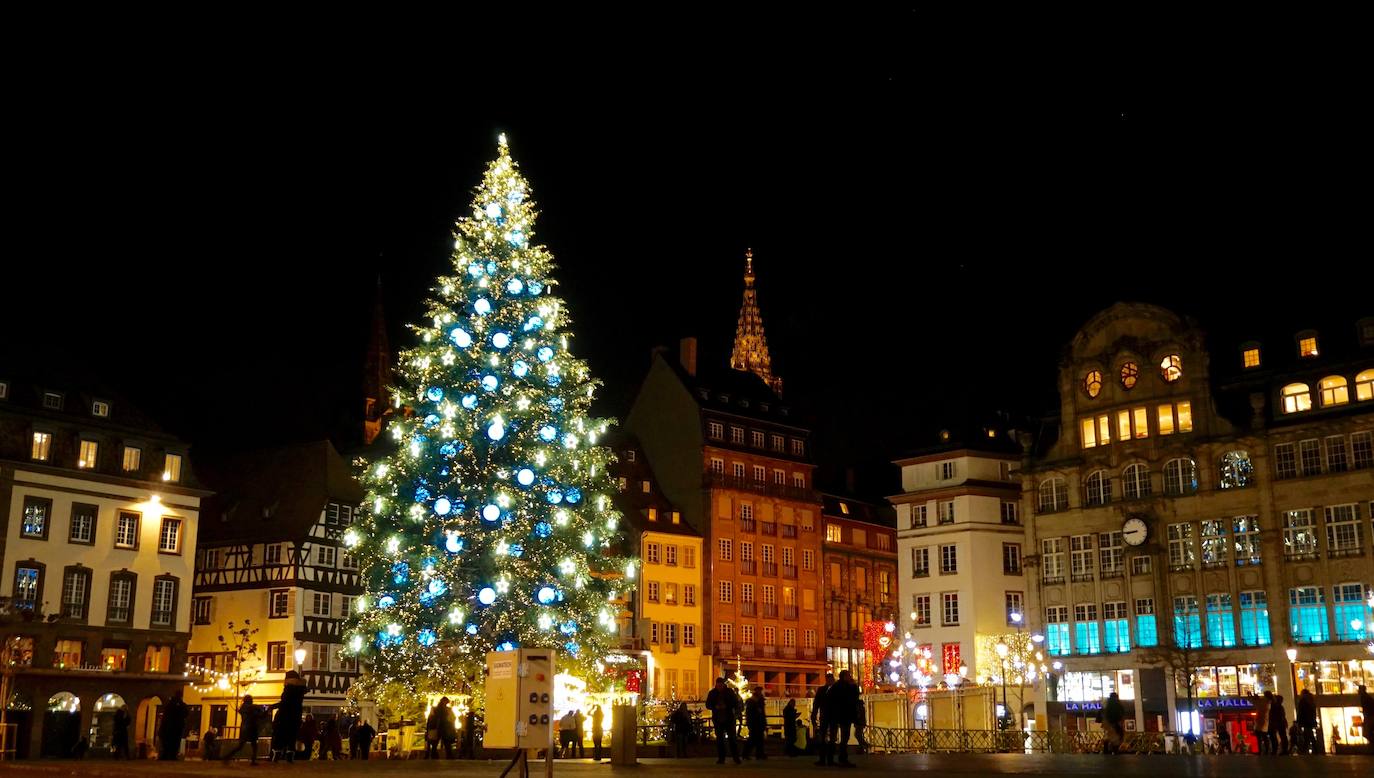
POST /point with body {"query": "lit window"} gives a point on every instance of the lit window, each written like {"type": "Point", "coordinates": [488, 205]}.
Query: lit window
{"type": "Point", "coordinates": [1184, 411]}
{"type": "Point", "coordinates": [1297, 398]}
{"type": "Point", "coordinates": [833, 533]}
{"type": "Point", "coordinates": [1307, 347]}
{"type": "Point", "coordinates": [1092, 383]}
{"type": "Point", "coordinates": [169, 539]}
{"type": "Point", "coordinates": [653, 514]}
{"type": "Point", "coordinates": [171, 470]}
{"type": "Point", "coordinates": [645, 487]}
{"type": "Point", "coordinates": [1171, 368]}
{"type": "Point", "coordinates": [1250, 357]}
{"type": "Point", "coordinates": [844, 508]}
{"type": "Point", "coordinates": [1130, 373]}
{"type": "Point", "coordinates": [1307, 615]}
{"type": "Point", "coordinates": [756, 438]}
{"type": "Point", "coordinates": [87, 457]}
{"type": "Point", "coordinates": [737, 435]}
{"type": "Point", "coordinates": [52, 401]}
{"type": "Point", "coordinates": [1364, 386]}
{"type": "Point", "coordinates": [126, 530]}
{"type": "Point", "coordinates": [715, 430]}
{"type": "Point", "coordinates": [1334, 391]}
{"type": "Point", "coordinates": [133, 457]}
{"type": "Point", "coordinates": [1166, 420]}
{"type": "Point", "coordinates": [101, 409]}
{"type": "Point", "coordinates": [1236, 470]}
{"type": "Point", "coordinates": [1135, 480]}
{"type": "Point", "coordinates": [42, 446]}
{"type": "Point", "coordinates": [1180, 476]}
{"type": "Point", "coordinates": [1140, 422]}
{"type": "Point", "coordinates": [1053, 495]}
{"type": "Point", "coordinates": [37, 516]}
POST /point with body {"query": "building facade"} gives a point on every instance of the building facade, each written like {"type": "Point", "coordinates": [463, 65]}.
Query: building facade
{"type": "Point", "coordinates": [859, 570]}
{"type": "Point", "coordinates": [274, 556]}
{"type": "Point", "coordinates": [959, 553]}
{"type": "Point", "coordinates": [100, 514]}
{"type": "Point", "coordinates": [1206, 511]}
{"type": "Point", "coordinates": [735, 459]}
{"type": "Point", "coordinates": [668, 605]}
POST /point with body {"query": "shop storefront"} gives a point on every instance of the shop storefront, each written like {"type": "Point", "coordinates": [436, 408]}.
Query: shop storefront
{"type": "Point", "coordinates": [1336, 685]}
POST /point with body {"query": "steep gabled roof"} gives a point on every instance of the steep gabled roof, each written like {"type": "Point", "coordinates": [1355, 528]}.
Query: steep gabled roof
{"type": "Point", "coordinates": [275, 493]}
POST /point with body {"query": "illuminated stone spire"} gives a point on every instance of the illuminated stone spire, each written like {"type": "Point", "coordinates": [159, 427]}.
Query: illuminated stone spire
{"type": "Point", "coordinates": [751, 347]}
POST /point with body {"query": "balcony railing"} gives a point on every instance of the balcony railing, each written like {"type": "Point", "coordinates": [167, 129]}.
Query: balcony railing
{"type": "Point", "coordinates": [789, 652]}
{"type": "Point", "coordinates": [748, 525]}
{"type": "Point", "coordinates": [747, 609]}
{"type": "Point", "coordinates": [1053, 579]}
{"type": "Point", "coordinates": [1113, 572]}
{"type": "Point", "coordinates": [769, 528]}
{"type": "Point", "coordinates": [789, 612]}
{"type": "Point", "coordinates": [770, 651]}
{"type": "Point", "coordinates": [808, 653]}
{"type": "Point", "coordinates": [770, 610]}
{"type": "Point", "coordinates": [725, 649]}
{"type": "Point", "coordinates": [746, 566]}
{"type": "Point", "coordinates": [789, 571]}
{"type": "Point", "coordinates": [746, 649]}
{"type": "Point", "coordinates": [744, 484]}
{"type": "Point", "coordinates": [1082, 577]}
{"type": "Point", "coordinates": [789, 530]}
{"type": "Point", "coordinates": [770, 568]}
{"type": "Point", "coordinates": [1337, 553]}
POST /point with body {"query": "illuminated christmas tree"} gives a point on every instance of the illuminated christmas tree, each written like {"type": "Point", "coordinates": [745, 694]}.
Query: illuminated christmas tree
{"type": "Point", "coordinates": [490, 525]}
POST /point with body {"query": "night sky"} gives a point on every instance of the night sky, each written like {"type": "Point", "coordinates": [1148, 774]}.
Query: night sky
{"type": "Point", "coordinates": [928, 231]}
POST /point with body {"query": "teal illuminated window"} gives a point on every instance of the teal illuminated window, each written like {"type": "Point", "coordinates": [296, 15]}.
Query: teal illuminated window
{"type": "Point", "coordinates": [1307, 615]}
{"type": "Point", "coordinates": [1221, 621]}
{"type": "Point", "coordinates": [1088, 638]}
{"type": "Point", "coordinates": [1057, 630]}
{"type": "Point", "coordinates": [1254, 618]}
{"type": "Point", "coordinates": [1187, 623]}
{"type": "Point", "coordinates": [1116, 627]}
{"type": "Point", "coordinates": [1351, 618]}
{"type": "Point", "coordinates": [1146, 633]}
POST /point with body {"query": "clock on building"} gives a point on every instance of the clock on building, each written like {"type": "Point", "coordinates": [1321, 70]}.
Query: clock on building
{"type": "Point", "coordinates": [1134, 531]}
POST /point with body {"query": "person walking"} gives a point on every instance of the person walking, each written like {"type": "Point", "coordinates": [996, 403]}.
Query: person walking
{"type": "Point", "coordinates": [790, 720]}
{"type": "Point", "coordinates": [579, 734]}
{"type": "Point", "coordinates": [364, 735]}
{"type": "Point", "coordinates": [120, 747]}
{"type": "Point", "coordinates": [467, 748]}
{"type": "Point", "coordinates": [567, 726]}
{"type": "Point", "coordinates": [723, 701]}
{"type": "Point", "coordinates": [680, 721]}
{"type": "Point", "coordinates": [598, 718]}
{"type": "Point", "coordinates": [1367, 711]}
{"type": "Point", "coordinates": [1223, 738]}
{"type": "Point", "coordinates": [440, 727]}
{"type": "Point", "coordinates": [1278, 727]}
{"type": "Point", "coordinates": [841, 705]}
{"type": "Point", "coordinates": [1113, 717]}
{"type": "Point", "coordinates": [286, 727]}
{"type": "Point", "coordinates": [1305, 716]}
{"type": "Point", "coordinates": [1262, 706]}
{"type": "Point", "coordinates": [173, 728]}
{"type": "Point", "coordinates": [818, 723]}
{"type": "Point", "coordinates": [861, 723]}
{"type": "Point", "coordinates": [756, 719]}
{"type": "Point", "coordinates": [250, 719]}
{"type": "Point", "coordinates": [331, 740]}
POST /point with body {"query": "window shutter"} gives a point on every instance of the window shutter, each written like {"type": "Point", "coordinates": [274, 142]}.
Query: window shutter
{"type": "Point", "coordinates": [267, 600]}
{"type": "Point", "coordinates": [291, 602]}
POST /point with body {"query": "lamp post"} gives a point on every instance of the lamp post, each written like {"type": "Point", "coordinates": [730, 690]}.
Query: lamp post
{"type": "Point", "coordinates": [300, 659]}
{"type": "Point", "coordinates": [1002, 651]}
{"type": "Point", "coordinates": [1293, 669]}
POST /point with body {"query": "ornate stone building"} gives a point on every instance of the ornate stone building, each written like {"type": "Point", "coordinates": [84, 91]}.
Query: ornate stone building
{"type": "Point", "coordinates": [1204, 507]}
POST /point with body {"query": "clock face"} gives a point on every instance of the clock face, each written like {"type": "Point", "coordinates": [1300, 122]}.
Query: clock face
{"type": "Point", "coordinates": [1134, 531]}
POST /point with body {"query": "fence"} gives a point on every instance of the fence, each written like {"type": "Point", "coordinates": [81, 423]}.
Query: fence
{"type": "Point", "coordinates": [926, 741]}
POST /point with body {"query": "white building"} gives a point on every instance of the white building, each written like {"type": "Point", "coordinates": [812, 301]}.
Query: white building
{"type": "Point", "coordinates": [959, 547]}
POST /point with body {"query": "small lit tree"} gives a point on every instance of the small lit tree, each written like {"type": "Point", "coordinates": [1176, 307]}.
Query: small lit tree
{"type": "Point", "coordinates": [239, 646]}
{"type": "Point", "coordinates": [1017, 661]}
{"type": "Point", "coordinates": [1181, 656]}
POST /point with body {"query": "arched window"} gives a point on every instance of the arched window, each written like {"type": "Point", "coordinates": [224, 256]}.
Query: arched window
{"type": "Point", "coordinates": [1054, 495]}
{"type": "Point", "coordinates": [1130, 372]}
{"type": "Point", "coordinates": [1171, 368]}
{"type": "Point", "coordinates": [1099, 488]}
{"type": "Point", "coordinates": [1180, 476]}
{"type": "Point", "coordinates": [1135, 480]}
{"type": "Point", "coordinates": [1364, 386]}
{"type": "Point", "coordinates": [1236, 470]}
{"type": "Point", "coordinates": [1335, 391]}
{"type": "Point", "coordinates": [1092, 383]}
{"type": "Point", "coordinates": [1297, 398]}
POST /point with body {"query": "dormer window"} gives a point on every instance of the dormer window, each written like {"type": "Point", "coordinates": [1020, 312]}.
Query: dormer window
{"type": "Point", "coordinates": [52, 401]}
{"type": "Point", "coordinates": [1307, 344]}
{"type": "Point", "coordinates": [1250, 356]}
{"type": "Point", "coordinates": [100, 409]}
{"type": "Point", "coordinates": [4, 390]}
{"type": "Point", "coordinates": [1365, 327]}
{"type": "Point", "coordinates": [630, 455]}
{"type": "Point", "coordinates": [844, 508]}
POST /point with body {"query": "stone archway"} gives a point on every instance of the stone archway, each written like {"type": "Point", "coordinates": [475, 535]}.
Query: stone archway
{"type": "Point", "coordinates": [61, 724]}
{"type": "Point", "coordinates": [145, 725]}
{"type": "Point", "coordinates": [101, 732]}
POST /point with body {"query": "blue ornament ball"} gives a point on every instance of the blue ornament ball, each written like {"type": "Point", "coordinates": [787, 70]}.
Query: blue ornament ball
{"type": "Point", "coordinates": [421, 494]}
{"type": "Point", "coordinates": [556, 404]}
{"type": "Point", "coordinates": [501, 340]}
{"type": "Point", "coordinates": [573, 494]}
{"type": "Point", "coordinates": [520, 368]}
{"type": "Point", "coordinates": [435, 394]}
{"type": "Point", "coordinates": [460, 338]}
{"type": "Point", "coordinates": [482, 306]}
{"type": "Point", "coordinates": [448, 449]}
{"type": "Point", "coordinates": [554, 497]}
{"type": "Point", "coordinates": [515, 286]}
{"type": "Point", "coordinates": [544, 353]}
{"type": "Point", "coordinates": [490, 382]}
{"type": "Point", "coordinates": [548, 433]}
{"type": "Point", "coordinates": [543, 529]}
{"type": "Point", "coordinates": [469, 401]}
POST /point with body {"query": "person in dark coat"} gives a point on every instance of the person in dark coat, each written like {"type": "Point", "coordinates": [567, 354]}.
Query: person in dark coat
{"type": "Point", "coordinates": [444, 725]}
{"type": "Point", "coordinates": [331, 739]}
{"type": "Point", "coordinates": [1113, 717]}
{"type": "Point", "coordinates": [362, 739]}
{"type": "Point", "coordinates": [579, 734]}
{"type": "Point", "coordinates": [173, 728]}
{"type": "Point", "coordinates": [120, 746]}
{"type": "Point", "coordinates": [467, 747]}
{"type": "Point", "coordinates": [680, 721]}
{"type": "Point", "coordinates": [723, 701]}
{"type": "Point", "coordinates": [1278, 727]}
{"type": "Point", "coordinates": [818, 723]}
{"type": "Point", "coordinates": [309, 730]}
{"type": "Point", "coordinates": [790, 719]}
{"type": "Point", "coordinates": [250, 721]}
{"type": "Point", "coordinates": [841, 705]}
{"type": "Point", "coordinates": [1367, 711]}
{"type": "Point", "coordinates": [860, 723]}
{"type": "Point", "coordinates": [286, 727]}
{"type": "Point", "coordinates": [598, 721]}
{"type": "Point", "coordinates": [1306, 720]}
{"type": "Point", "coordinates": [756, 719]}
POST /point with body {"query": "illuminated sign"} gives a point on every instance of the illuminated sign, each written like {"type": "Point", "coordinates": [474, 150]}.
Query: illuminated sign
{"type": "Point", "coordinates": [1210, 703]}
{"type": "Point", "coordinates": [1082, 706]}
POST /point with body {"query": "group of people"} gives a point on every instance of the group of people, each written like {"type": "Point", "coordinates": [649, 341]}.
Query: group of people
{"type": "Point", "coordinates": [836, 711]}
{"type": "Point", "coordinates": [290, 726]}
{"type": "Point", "coordinates": [441, 728]}
{"type": "Point", "coordinates": [572, 733]}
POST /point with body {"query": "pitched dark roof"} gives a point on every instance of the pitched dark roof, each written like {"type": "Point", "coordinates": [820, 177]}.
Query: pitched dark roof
{"type": "Point", "coordinates": [736, 392]}
{"type": "Point", "coordinates": [275, 493]}
{"type": "Point", "coordinates": [972, 434]}
{"type": "Point", "coordinates": [859, 510]}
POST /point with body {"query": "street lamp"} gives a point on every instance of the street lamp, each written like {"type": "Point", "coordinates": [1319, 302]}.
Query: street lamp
{"type": "Point", "coordinates": [1002, 651]}
{"type": "Point", "coordinates": [300, 658]}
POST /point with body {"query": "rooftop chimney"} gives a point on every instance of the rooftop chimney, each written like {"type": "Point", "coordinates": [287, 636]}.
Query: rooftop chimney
{"type": "Point", "coordinates": [687, 354]}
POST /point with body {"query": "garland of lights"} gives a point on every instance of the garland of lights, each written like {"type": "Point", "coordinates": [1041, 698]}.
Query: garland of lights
{"type": "Point", "coordinates": [490, 525]}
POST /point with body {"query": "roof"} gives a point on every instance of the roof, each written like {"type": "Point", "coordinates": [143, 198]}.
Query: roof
{"type": "Point", "coordinates": [26, 393]}
{"type": "Point", "coordinates": [736, 392]}
{"type": "Point", "coordinates": [634, 502]}
{"type": "Point", "coordinates": [859, 510]}
{"type": "Point", "coordinates": [972, 434]}
{"type": "Point", "coordinates": [275, 493]}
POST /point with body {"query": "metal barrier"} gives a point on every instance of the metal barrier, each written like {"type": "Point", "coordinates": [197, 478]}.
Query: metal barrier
{"type": "Point", "coordinates": [928, 741]}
